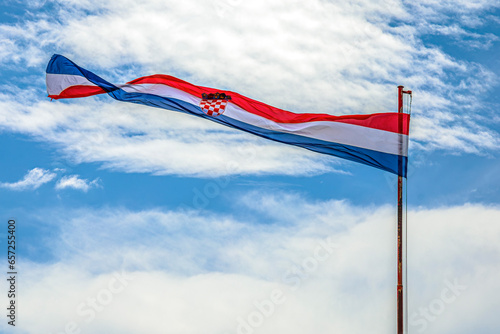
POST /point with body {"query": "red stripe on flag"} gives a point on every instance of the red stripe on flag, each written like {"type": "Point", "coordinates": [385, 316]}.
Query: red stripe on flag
{"type": "Point", "coordinates": [78, 91]}
{"type": "Point", "coordinates": [381, 121]}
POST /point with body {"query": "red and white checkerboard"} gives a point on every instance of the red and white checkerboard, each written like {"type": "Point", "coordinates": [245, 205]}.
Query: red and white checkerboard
{"type": "Point", "coordinates": [213, 107]}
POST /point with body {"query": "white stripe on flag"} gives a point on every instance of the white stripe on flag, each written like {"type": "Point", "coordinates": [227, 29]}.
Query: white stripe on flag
{"type": "Point", "coordinates": [56, 83]}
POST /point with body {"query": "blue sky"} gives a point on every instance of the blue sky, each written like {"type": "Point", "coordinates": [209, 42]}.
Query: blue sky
{"type": "Point", "coordinates": [172, 224]}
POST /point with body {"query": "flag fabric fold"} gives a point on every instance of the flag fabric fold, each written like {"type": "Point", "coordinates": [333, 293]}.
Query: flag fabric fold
{"type": "Point", "coordinates": [379, 140]}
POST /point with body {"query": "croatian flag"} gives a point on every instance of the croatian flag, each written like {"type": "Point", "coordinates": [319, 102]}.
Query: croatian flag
{"type": "Point", "coordinates": [379, 140]}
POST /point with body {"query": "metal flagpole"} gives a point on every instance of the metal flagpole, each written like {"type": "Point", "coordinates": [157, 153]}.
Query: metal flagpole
{"type": "Point", "coordinates": [400, 304]}
{"type": "Point", "coordinates": [400, 220]}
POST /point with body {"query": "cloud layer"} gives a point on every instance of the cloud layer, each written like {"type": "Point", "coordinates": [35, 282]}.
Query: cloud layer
{"type": "Point", "coordinates": [131, 138]}
{"type": "Point", "coordinates": [324, 266]}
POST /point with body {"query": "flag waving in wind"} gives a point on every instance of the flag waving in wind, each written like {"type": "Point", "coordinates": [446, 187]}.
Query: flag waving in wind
{"type": "Point", "coordinates": [379, 140]}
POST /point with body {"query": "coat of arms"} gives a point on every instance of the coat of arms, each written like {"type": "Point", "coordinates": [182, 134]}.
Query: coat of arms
{"type": "Point", "coordinates": [214, 104]}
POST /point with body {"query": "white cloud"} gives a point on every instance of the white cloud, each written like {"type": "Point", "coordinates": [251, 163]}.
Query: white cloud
{"type": "Point", "coordinates": [39, 176]}
{"type": "Point", "coordinates": [309, 57]}
{"type": "Point", "coordinates": [32, 180]}
{"type": "Point", "coordinates": [132, 138]}
{"type": "Point", "coordinates": [74, 181]}
{"type": "Point", "coordinates": [189, 265]}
